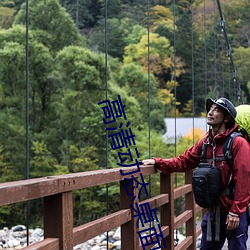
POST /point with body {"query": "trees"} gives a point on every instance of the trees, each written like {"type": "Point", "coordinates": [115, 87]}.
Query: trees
{"type": "Point", "coordinates": [53, 25]}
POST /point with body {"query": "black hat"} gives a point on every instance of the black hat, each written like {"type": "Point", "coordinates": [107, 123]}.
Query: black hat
{"type": "Point", "coordinates": [223, 103]}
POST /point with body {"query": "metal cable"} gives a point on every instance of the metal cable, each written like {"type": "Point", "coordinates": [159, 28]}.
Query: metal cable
{"type": "Point", "coordinates": [215, 51]}
{"type": "Point", "coordinates": [229, 54]}
{"type": "Point", "coordinates": [149, 121]}
{"type": "Point", "coordinates": [205, 50]}
{"type": "Point", "coordinates": [174, 73]}
{"type": "Point", "coordinates": [192, 77]}
{"type": "Point", "coordinates": [27, 207]}
{"type": "Point", "coordinates": [106, 82]}
{"type": "Point", "coordinates": [175, 95]}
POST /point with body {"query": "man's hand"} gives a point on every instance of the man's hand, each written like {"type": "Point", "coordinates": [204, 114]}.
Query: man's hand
{"type": "Point", "coordinates": [232, 221]}
{"type": "Point", "coordinates": [148, 162]}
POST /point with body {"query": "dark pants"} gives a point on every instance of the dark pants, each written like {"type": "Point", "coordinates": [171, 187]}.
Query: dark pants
{"type": "Point", "coordinates": [237, 238]}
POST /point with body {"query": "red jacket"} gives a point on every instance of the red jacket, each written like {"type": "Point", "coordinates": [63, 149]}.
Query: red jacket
{"type": "Point", "coordinates": [241, 167]}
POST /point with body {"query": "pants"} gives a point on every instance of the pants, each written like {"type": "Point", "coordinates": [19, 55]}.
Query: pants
{"type": "Point", "coordinates": [237, 238]}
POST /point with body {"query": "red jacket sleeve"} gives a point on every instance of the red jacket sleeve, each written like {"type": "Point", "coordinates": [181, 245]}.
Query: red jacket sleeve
{"type": "Point", "coordinates": [185, 162]}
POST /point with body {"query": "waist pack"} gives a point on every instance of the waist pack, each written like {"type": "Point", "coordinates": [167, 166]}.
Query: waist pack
{"type": "Point", "coordinates": [206, 179]}
{"type": "Point", "coordinates": [206, 185]}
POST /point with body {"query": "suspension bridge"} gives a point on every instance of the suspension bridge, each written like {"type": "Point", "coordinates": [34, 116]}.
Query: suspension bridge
{"type": "Point", "coordinates": [56, 192]}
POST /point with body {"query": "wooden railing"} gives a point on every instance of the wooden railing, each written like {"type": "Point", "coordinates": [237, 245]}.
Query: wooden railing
{"type": "Point", "coordinates": [56, 192]}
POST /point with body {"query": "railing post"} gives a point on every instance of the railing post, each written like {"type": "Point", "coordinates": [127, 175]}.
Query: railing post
{"type": "Point", "coordinates": [167, 210]}
{"type": "Point", "coordinates": [58, 219]}
{"type": "Point", "coordinates": [190, 205]}
{"type": "Point", "coordinates": [129, 236]}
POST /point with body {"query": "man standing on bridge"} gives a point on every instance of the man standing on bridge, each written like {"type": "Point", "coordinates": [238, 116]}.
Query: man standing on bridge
{"type": "Point", "coordinates": [221, 115]}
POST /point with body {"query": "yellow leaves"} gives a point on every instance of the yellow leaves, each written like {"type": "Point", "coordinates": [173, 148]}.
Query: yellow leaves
{"type": "Point", "coordinates": [188, 108]}
{"type": "Point", "coordinates": [166, 96]}
{"type": "Point", "coordinates": [194, 134]}
{"type": "Point", "coordinates": [159, 53]}
{"type": "Point", "coordinates": [189, 139]}
{"type": "Point", "coordinates": [171, 85]}
{"type": "Point", "coordinates": [161, 16]}
{"type": "Point", "coordinates": [203, 114]}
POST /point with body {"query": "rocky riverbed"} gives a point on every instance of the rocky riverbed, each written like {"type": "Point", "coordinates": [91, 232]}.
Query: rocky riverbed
{"type": "Point", "coordinates": [16, 238]}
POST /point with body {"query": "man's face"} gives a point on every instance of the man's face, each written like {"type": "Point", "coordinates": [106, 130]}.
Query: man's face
{"type": "Point", "coordinates": [215, 116]}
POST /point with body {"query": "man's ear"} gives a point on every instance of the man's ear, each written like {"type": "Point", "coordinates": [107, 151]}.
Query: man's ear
{"type": "Point", "coordinates": [228, 118]}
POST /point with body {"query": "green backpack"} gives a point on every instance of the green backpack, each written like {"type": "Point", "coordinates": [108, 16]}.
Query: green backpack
{"type": "Point", "coordinates": [243, 120]}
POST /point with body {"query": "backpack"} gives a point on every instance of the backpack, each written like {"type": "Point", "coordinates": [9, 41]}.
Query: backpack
{"type": "Point", "coordinates": [243, 120]}
{"type": "Point", "coordinates": [206, 179]}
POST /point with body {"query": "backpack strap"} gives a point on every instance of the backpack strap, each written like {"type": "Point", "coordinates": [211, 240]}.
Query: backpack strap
{"type": "Point", "coordinates": [227, 151]}
{"type": "Point", "coordinates": [227, 148]}
{"type": "Point", "coordinates": [203, 152]}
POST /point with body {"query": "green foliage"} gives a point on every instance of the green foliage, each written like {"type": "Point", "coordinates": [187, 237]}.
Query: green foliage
{"type": "Point", "coordinates": [42, 162]}
{"type": "Point", "coordinates": [136, 83]}
{"type": "Point", "coordinates": [13, 148]}
{"type": "Point", "coordinates": [118, 31]}
{"type": "Point", "coordinates": [84, 13]}
{"type": "Point", "coordinates": [242, 63]}
{"type": "Point", "coordinates": [53, 25]}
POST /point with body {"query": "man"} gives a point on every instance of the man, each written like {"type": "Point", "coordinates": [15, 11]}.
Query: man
{"type": "Point", "coordinates": [221, 115]}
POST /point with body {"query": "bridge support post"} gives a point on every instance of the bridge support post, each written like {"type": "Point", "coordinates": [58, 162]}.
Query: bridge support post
{"type": "Point", "coordinates": [129, 236]}
{"type": "Point", "coordinates": [167, 210]}
{"type": "Point", "coordinates": [58, 219]}
{"type": "Point", "coordinates": [190, 205]}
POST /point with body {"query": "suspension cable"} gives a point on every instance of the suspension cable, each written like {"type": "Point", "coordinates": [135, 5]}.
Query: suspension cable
{"type": "Point", "coordinates": [27, 207]}
{"type": "Point", "coordinates": [229, 53]}
{"type": "Point", "coordinates": [106, 83]}
{"type": "Point", "coordinates": [215, 52]}
{"type": "Point", "coordinates": [192, 76]}
{"type": "Point", "coordinates": [149, 93]}
{"type": "Point", "coordinates": [174, 74]}
{"type": "Point", "coordinates": [205, 50]}
{"type": "Point", "coordinates": [175, 95]}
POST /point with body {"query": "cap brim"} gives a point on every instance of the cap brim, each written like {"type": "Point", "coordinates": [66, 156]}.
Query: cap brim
{"type": "Point", "coordinates": [209, 103]}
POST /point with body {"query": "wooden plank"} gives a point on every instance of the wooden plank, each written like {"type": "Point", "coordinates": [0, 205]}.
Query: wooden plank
{"type": "Point", "coordinates": [185, 189]}
{"type": "Point", "coordinates": [185, 244]}
{"type": "Point", "coordinates": [58, 219]}
{"type": "Point", "coordinates": [198, 231]}
{"type": "Point", "coordinates": [46, 244]}
{"type": "Point", "coordinates": [90, 230]}
{"type": "Point", "coordinates": [156, 201]}
{"type": "Point", "coordinates": [99, 177]}
{"type": "Point", "coordinates": [165, 233]}
{"type": "Point", "coordinates": [24, 190]}
{"type": "Point", "coordinates": [198, 209]}
{"type": "Point", "coordinates": [182, 218]}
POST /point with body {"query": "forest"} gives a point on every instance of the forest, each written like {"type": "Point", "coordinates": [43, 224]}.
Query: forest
{"type": "Point", "coordinates": [59, 59]}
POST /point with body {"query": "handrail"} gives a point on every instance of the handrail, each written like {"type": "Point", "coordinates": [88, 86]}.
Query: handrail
{"type": "Point", "coordinates": [58, 208]}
